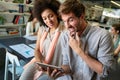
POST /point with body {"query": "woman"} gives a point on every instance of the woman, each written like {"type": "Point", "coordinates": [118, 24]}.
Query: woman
{"type": "Point", "coordinates": [115, 30]}
{"type": "Point", "coordinates": [48, 45]}
{"type": "Point", "coordinates": [32, 26]}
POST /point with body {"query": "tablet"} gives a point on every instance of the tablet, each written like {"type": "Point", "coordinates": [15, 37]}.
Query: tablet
{"type": "Point", "coordinates": [44, 66]}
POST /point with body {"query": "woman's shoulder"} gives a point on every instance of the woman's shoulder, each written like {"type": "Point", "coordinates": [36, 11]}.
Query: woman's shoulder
{"type": "Point", "coordinates": [42, 29]}
{"type": "Point", "coordinates": [29, 21]}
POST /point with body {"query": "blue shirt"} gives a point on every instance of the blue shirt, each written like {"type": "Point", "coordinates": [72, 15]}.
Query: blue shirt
{"type": "Point", "coordinates": [117, 42]}
{"type": "Point", "coordinates": [98, 44]}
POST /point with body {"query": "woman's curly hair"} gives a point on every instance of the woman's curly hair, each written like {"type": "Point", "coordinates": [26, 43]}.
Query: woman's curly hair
{"type": "Point", "coordinates": [41, 5]}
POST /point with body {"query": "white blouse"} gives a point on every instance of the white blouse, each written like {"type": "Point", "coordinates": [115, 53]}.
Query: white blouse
{"type": "Point", "coordinates": [29, 28]}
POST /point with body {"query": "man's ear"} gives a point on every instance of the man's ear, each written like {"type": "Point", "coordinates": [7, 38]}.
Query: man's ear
{"type": "Point", "coordinates": [82, 16]}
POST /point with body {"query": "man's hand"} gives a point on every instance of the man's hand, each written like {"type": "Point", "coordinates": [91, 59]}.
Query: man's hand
{"type": "Point", "coordinates": [75, 43]}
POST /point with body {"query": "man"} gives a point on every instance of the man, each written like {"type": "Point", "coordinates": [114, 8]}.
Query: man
{"type": "Point", "coordinates": [87, 50]}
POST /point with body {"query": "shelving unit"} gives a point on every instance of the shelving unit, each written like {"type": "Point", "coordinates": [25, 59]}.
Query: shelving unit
{"type": "Point", "coordinates": [8, 10]}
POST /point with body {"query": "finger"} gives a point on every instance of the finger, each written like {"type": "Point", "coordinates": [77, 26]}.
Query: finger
{"type": "Point", "coordinates": [71, 34]}
{"type": "Point", "coordinates": [48, 71]}
{"type": "Point", "coordinates": [41, 69]}
{"type": "Point", "coordinates": [58, 74]}
{"type": "Point", "coordinates": [77, 37]}
{"type": "Point", "coordinates": [53, 73]}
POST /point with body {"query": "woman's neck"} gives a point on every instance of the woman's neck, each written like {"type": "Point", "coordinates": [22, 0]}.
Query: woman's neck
{"type": "Point", "coordinates": [52, 30]}
{"type": "Point", "coordinates": [116, 36]}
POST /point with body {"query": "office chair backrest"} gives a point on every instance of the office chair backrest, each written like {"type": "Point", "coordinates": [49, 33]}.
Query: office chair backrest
{"type": "Point", "coordinates": [2, 57]}
{"type": "Point", "coordinates": [12, 58]}
{"type": "Point", "coordinates": [11, 64]}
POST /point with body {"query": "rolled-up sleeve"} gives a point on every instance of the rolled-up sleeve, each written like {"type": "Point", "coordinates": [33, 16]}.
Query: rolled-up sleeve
{"type": "Point", "coordinates": [105, 54]}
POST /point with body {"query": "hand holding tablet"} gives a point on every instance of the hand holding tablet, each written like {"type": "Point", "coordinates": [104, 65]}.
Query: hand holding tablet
{"type": "Point", "coordinates": [52, 67]}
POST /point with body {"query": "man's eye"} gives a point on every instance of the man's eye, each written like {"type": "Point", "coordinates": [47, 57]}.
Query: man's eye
{"type": "Point", "coordinates": [70, 20]}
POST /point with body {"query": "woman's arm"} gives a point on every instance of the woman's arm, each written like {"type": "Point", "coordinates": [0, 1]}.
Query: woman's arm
{"type": "Point", "coordinates": [38, 55]}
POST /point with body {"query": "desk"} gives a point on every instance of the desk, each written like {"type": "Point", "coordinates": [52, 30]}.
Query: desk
{"type": "Point", "coordinates": [15, 40]}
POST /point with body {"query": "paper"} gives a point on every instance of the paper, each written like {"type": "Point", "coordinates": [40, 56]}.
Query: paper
{"type": "Point", "coordinates": [32, 38]}
{"type": "Point", "coordinates": [24, 50]}
{"type": "Point", "coordinates": [32, 45]}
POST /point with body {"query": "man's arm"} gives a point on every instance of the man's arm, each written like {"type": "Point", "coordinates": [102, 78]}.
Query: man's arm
{"type": "Point", "coordinates": [104, 54]}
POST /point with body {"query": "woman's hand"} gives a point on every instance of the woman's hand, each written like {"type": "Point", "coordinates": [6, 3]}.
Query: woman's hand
{"type": "Point", "coordinates": [65, 69]}
{"type": "Point", "coordinates": [55, 73]}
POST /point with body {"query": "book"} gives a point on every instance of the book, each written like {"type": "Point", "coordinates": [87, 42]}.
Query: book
{"type": "Point", "coordinates": [14, 19]}
{"type": "Point", "coordinates": [21, 20]}
{"type": "Point", "coordinates": [17, 19]}
{"type": "Point", "coordinates": [23, 49]}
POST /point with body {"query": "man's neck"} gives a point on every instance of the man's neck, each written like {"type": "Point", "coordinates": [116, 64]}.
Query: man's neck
{"type": "Point", "coordinates": [82, 29]}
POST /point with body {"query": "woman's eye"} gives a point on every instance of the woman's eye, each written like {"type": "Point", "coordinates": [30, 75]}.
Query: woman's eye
{"type": "Point", "coordinates": [44, 18]}
{"type": "Point", "coordinates": [51, 16]}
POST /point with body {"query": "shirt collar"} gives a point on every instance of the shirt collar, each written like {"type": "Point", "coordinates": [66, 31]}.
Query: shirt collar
{"type": "Point", "coordinates": [86, 30]}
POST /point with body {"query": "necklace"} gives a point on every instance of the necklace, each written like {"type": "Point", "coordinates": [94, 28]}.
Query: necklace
{"type": "Point", "coordinates": [51, 35]}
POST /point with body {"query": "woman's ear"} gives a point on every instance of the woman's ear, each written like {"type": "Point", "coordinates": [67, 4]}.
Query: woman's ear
{"type": "Point", "coordinates": [118, 31]}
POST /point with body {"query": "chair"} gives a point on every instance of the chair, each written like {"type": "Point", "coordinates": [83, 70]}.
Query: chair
{"type": "Point", "coordinates": [2, 57]}
{"type": "Point", "coordinates": [12, 64]}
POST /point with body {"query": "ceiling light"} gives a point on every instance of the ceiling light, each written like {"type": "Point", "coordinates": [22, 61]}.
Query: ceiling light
{"type": "Point", "coordinates": [98, 7]}
{"type": "Point", "coordinates": [115, 3]}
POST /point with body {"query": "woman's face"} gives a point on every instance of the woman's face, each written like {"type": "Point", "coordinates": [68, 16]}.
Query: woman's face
{"type": "Point", "coordinates": [113, 31]}
{"type": "Point", "coordinates": [49, 18]}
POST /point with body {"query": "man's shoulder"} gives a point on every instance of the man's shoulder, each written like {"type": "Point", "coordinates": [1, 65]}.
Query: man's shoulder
{"type": "Point", "coordinates": [64, 33]}
{"type": "Point", "coordinates": [64, 36]}
{"type": "Point", "coordinates": [99, 30]}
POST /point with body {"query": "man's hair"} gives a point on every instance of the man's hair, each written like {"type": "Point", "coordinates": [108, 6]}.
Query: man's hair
{"type": "Point", "coordinates": [73, 6]}
{"type": "Point", "coordinates": [41, 5]}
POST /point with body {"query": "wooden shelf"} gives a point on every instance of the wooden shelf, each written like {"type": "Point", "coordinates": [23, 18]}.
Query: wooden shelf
{"type": "Point", "coordinates": [10, 9]}
{"type": "Point", "coordinates": [12, 25]}
{"type": "Point", "coordinates": [14, 13]}
{"type": "Point", "coordinates": [11, 3]}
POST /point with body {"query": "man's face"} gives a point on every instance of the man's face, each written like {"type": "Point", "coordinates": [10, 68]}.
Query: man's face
{"type": "Point", "coordinates": [72, 23]}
